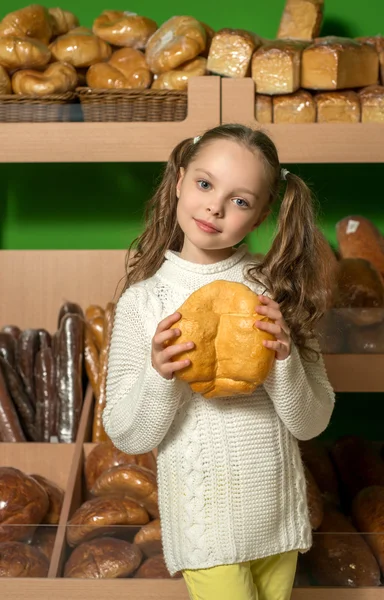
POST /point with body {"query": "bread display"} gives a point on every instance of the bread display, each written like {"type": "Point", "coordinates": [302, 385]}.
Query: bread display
{"type": "Point", "coordinates": [177, 79]}
{"type": "Point", "coordinates": [175, 42]}
{"type": "Point", "coordinates": [58, 78]}
{"type": "Point", "coordinates": [219, 318]}
{"type": "Point", "coordinates": [315, 500]}
{"type": "Point", "coordinates": [276, 67]}
{"type": "Point", "coordinates": [62, 21]}
{"type": "Point", "coordinates": [338, 107]}
{"type": "Point", "coordinates": [5, 82]}
{"type": "Point", "coordinates": [263, 109]}
{"type": "Point", "coordinates": [55, 496]}
{"type": "Point", "coordinates": [318, 462]}
{"type": "Point", "coordinates": [358, 237]}
{"type": "Point", "coordinates": [372, 104]}
{"type": "Point", "coordinates": [23, 53]}
{"type": "Point", "coordinates": [368, 514]}
{"type": "Point", "coordinates": [148, 539]}
{"type": "Point", "coordinates": [155, 568]}
{"type": "Point", "coordinates": [301, 19]}
{"type": "Point", "coordinates": [80, 48]}
{"type": "Point", "coordinates": [333, 63]}
{"type": "Point", "coordinates": [294, 108]}
{"type": "Point", "coordinates": [121, 28]}
{"type": "Point", "coordinates": [33, 21]}
{"type": "Point", "coordinates": [231, 52]}
{"type": "Point", "coordinates": [104, 558]}
{"type": "Point", "coordinates": [359, 284]}
{"type": "Point", "coordinates": [22, 560]}
{"type": "Point", "coordinates": [126, 69]}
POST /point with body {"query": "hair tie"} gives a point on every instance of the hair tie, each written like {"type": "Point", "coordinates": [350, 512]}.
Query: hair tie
{"type": "Point", "coordinates": [283, 174]}
{"type": "Point", "coordinates": [197, 139]}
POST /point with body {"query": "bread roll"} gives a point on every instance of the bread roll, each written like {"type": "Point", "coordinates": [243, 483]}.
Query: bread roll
{"type": "Point", "coordinates": [372, 104]}
{"type": "Point", "coordinates": [367, 340]}
{"type": "Point", "coordinates": [210, 34]}
{"type": "Point", "coordinates": [5, 82]}
{"type": "Point", "coordinates": [126, 69]}
{"type": "Point", "coordinates": [338, 107]}
{"type": "Point", "coordinates": [80, 48]}
{"type": "Point", "coordinates": [32, 21]}
{"type": "Point", "coordinates": [219, 318]}
{"type": "Point", "coordinates": [358, 237]}
{"type": "Point", "coordinates": [231, 53]}
{"type": "Point", "coordinates": [148, 539]}
{"type": "Point", "coordinates": [23, 53]}
{"type": "Point", "coordinates": [104, 456]}
{"type": "Point", "coordinates": [121, 28]}
{"type": "Point", "coordinates": [301, 19]}
{"type": "Point", "coordinates": [105, 558]}
{"type": "Point", "coordinates": [177, 41]}
{"type": "Point", "coordinates": [317, 460]}
{"type": "Point", "coordinates": [276, 67]}
{"type": "Point", "coordinates": [333, 63]}
{"type": "Point", "coordinates": [44, 540]}
{"type": "Point", "coordinates": [55, 496]}
{"type": "Point", "coordinates": [178, 78]}
{"type": "Point", "coordinates": [100, 516]}
{"type": "Point", "coordinates": [359, 284]}
{"type": "Point", "coordinates": [368, 515]}
{"type": "Point", "coordinates": [314, 499]}
{"type": "Point", "coordinates": [263, 109]}
{"type": "Point", "coordinates": [155, 568]}
{"type": "Point", "coordinates": [23, 502]}
{"type": "Point", "coordinates": [58, 78]}
{"type": "Point", "coordinates": [62, 21]}
{"type": "Point", "coordinates": [98, 432]}
{"type": "Point", "coordinates": [22, 560]}
{"type": "Point", "coordinates": [294, 108]}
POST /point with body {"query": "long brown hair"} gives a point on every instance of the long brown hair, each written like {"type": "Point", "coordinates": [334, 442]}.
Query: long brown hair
{"type": "Point", "coordinates": [294, 270]}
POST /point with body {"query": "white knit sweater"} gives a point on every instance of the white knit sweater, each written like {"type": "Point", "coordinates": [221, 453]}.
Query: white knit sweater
{"type": "Point", "coordinates": [230, 476]}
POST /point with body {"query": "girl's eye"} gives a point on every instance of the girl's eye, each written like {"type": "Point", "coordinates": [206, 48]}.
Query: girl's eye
{"type": "Point", "coordinates": [204, 185]}
{"type": "Point", "coordinates": [238, 202]}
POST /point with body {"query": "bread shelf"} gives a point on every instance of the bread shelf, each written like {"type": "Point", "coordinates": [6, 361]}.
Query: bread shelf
{"type": "Point", "coordinates": [111, 142]}
{"type": "Point", "coordinates": [312, 143]}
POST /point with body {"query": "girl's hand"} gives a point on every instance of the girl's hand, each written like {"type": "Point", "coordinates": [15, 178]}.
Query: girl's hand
{"type": "Point", "coordinates": [279, 328]}
{"type": "Point", "coordinates": [161, 356]}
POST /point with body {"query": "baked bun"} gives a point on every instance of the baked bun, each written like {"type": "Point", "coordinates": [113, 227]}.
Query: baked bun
{"type": "Point", "coordinates": [58, 78]}
{"type": "Point", "coordinates": [62, 21]}
{"type": "Point", "coordinates": [55, 497]}
{"type": "Point", "coordinates": [80, 48]}
{"type": "Point", "coordinates": [32, 21]}
{"type": "Point", "coordinates": [178, 78]}
{"type": "Point", "coordinates": [22, 560]}
{"type": "Point", "coordinates": [23, 53]}
{"type": "Point", "coordinates": [155, 568]}
{"type": "Point", "coordinates": [148, 539]}
{"type": "Point", "coordinates": [358, 237]}
{"type": "Point", "coordinates": [105, 558]}
{"type": "Point", "coordinates": [126, 69]}
{"type": "Point", "coordinates": [5, 82]}
{"type": "Point", "coordinates": [121, 28]}
{"type": "Point", "coordinates": [229, 357]}
{"type": "Point", "coordinates": [177, 41]}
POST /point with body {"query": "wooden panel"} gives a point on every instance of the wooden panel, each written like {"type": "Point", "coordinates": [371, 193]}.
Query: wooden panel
{"type": "Point", "coordinates": [312, 143]}
{"type": "Point", "coordinates": [112, 142]}
{"type": "Point", "coordinates": [356, 372]}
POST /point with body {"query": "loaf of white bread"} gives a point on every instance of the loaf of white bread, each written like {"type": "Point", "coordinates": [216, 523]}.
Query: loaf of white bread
{"type": "Point", "coordinates": [377, 42]}
{"type": "Point", "coordinates": [231, 52]}
{"type": "Point", "coordinates": [338, 107]}
{"type": "Point", "coordinates": [263, 109]}
{"type": "Point", "coordinates": [372, 104]}
{"type": "Point", "coordinates": [294, 108]}
{"type": "Point", "coordinates": [301, 19]}
{"type": "Point", "coordinates": [276, 67]}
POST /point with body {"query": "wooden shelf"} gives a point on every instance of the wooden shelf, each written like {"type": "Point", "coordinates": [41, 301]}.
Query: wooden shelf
{"type": "Point", "coordinates": [355, 372]}
{"type": "Point", "coordinates": [111, 142]}
{"type": "Point", "coordinates": [313, 143]}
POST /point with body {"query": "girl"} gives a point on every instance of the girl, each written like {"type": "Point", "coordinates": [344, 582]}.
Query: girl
{"type": "Point", "coordinates": [232, 491]}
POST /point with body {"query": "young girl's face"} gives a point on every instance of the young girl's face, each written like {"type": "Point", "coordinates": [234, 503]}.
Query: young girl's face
{"type": "Point", "coordinates": [223, 195]}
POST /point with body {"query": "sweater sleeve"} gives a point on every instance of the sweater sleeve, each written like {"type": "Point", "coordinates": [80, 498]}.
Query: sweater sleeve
{"type": "Point", "coordinates": [140, 403]}
{"type": "Point", "coordinates": [301, 393]}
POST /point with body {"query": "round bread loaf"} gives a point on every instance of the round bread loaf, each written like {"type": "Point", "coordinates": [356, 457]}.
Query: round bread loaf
{"type": "Point", "coordinates": [80, 48]}
{"type": "Point", "coordinates": [58, 78]}
{"type": "Point", "coordinates": [126, 69]}
{"type": "Point", "coordinates": [22, 560]}
{"type": "Point", "coordinates": [32, 21]}
{"type": "Point", "coordinates": [5, 82]}
{"type": "Point", "coordinates": [105, 558]}
{"type": "Point", "coordinates": [155, 568]}
{"type": "Point", "coordinates": [44, 539]}
{"type": "Point", "coordinates": [23, 53]}
{"type": "Point", "coordinates": [229, 357]}
{"type": "Point", "coordinates": [368, 515]}
{"type": "Point", "coordinates": [55, 495]}
{"type": "Point", "coordinates": [178, 78]}
{"type": "Point", "coordinates": [148, 539]}
{"type": "Point", "coordinates": [121, 28]}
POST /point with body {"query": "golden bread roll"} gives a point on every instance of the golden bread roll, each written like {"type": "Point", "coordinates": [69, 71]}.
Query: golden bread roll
{"type": "Point", "coordinates": [276, 67]}
{"type": "Point", "coordinates": [5, 82]}
{"type": "Point", "coordinates": [178, 78]}
{"type": "Point", "coordinates": [359, 284]}
{"type": "Point", "coordinates": [338, 107]}
{"type": "Point", "coordinates": [121, 28]}
{"type": "Point", "coordinates": [32, 21]}
{"type": "Point", "coordinates": [210, 34]}
{"type": "Point", "coordinates": [80, 48]}
{"type": "Point", "coordinates": [104, 516]}
{"type": "Point", "coordinates": [314, 499]}
{"type": "Point", "coordinates": [231, 52]}
{"type": "Point", "coordinates": [148, 539]}
{"type": "Point", "coordinates": [263, 109]}
{"type": "Point", "coordinates": [22, 560]}
{"type": "Point", "coordinates": [98, 432]}
{"type": "Point", "coordinates": [301, 19]}
{"type": "Point", "coordinates": [372, 104]}
{"type": "Point", "coordinates": [126, 69]}
{"type": "Point", "coordinates": [97, 325]}
{"type": "Point", "coordinates": [23, 53]}
{"type": "Point", "coordinates": [106, 558]}
{"type": "Point", "coordinates": [219, 318]}
{"type": "Point", "coordinates": [294, 108]}
{"type": "Point", "coordinates": [368, 515]}
{"type": "Point", "coordinates": [177, 41]}
{"type": "Point", "coordinates": [62, 21]}
{"type": "Point", "coordinates": [358, 237]}
{"type": "Point", "coordinates": [155, 568]}
{"type": "Point", "coordinates": [58, 78]}
{"type": "Point", "coordinates": [93, 311]}
{"type": "Point", "coordinates": [55, 496]}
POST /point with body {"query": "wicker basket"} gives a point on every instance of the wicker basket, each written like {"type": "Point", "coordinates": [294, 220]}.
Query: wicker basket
{"type": "Point", "coordinates": [23, 109]}
{"type": "Point", "coordinates": [133, 105]}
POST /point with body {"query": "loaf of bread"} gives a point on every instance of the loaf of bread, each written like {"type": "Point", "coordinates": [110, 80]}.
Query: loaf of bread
{"type": "Point", "coordinates": [372, 104]}
{"type": "Point", "coordinates": [219, 318]}
{"type": "Point", "coordinates": [5, 82]}
{"type": "Point", "coordinates": [178, 40]}
{"type": "Point", "coordinates": [100, 516]}
{"type": "Point", "coordinates": [314, 499]}
{"type": "Point", "coordinates": [22, 560]}
{"type": "Point", "coordinates": [126, 69]}
{"type": "Point", "coordinates": [338, 107]}
{"type": "Point", "coordinates": [32, 21]}
{"type": "Point", "coordinates": [377, 42]}
{"type": "Point", "coordinates": [58, 78]}
{"type": "Point", "coordinates": [62, 21]}
{"type": "Point", "coordinates": [104, 456]}
{"type": "Point", "coordinates": [23, 53]}
{"type": "Point", "coordinates": [358, 237]}
{"type": "Point", "coordinates": [104, 558]}
{"type": "Point", "coordinates": [55, 496]}
{"type": "Point", "coordinates": [148, 539]}
{"type": "Point", "coordinates": [121, 28]}
{"type": "Point", "coordinates": [333, 63]}
{"type": "Point", "coordinates": [276, 67]}
{"type": "Point", "coordinates": [155, 568]}
{"type": "Point", "coordinates": [80, 48]}
{"type": "Point", "coordinates": [339, 556]}
{"type": "Point", "coordinates": [263, 109]}
{"type": "Point", "coordinates": [231, 53]}
{"type": "Point", "coordinates": [367, 340]}
{"type": "Point", "coordinates": [301, 19]}
{"type": "Point", "coordinates": [178, 78]}
{"type": "Point", "coordinates": [24, 503]}
{"type": "Point", "coordinates": [368, 515]}
{"type": "Point", "coordinates": [317, 460]}
{"type": "Point", "coordinates": [294, 108]}
{"type": "Point", "coordinates": [44, 539]}
{"type": "Point", "coordinates": [359, 284]}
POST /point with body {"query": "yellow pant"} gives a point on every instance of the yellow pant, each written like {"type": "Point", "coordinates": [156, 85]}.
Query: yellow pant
{"type": "Point", "coordinates": [268, 578]}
